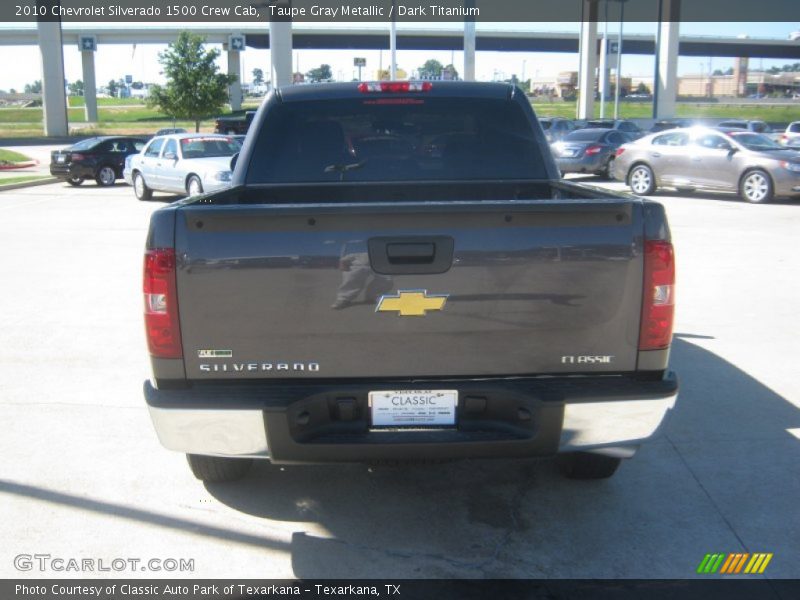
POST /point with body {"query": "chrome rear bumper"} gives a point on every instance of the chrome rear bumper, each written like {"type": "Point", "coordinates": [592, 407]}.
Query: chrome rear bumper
{"type": "Point", "coordinates": [580, 421]}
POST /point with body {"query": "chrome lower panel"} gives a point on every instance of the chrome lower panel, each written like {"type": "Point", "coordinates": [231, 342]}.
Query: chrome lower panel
{"type": "Point", "coordinates": [211, 432]}
{"type": "Point", "coordinates": [614, 427]}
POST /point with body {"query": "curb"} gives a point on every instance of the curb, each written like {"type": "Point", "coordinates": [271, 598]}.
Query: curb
{"type": "Point", "coordinates": [25, 184]}
{"type": "Point", "coordinates": [20, 165]}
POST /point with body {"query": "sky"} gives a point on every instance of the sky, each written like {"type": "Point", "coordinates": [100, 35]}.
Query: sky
{"type": "Point", "coordinates": [114, 61]}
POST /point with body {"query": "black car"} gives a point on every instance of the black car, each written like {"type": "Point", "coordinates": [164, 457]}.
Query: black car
{"type": "Point", "coordinates": [100, 158]}
{"type": "Point", "coordinates": [588, 150]}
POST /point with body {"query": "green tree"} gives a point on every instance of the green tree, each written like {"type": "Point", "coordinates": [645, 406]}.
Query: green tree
{"type": "Point", "coordinates": [431, 69]}
{"type": "Point", "coordinates": [321, 73]}
{"type": "Point", "coordinates": [76, 88]}
{"type": "Point", "coordinates": [195, 88]}
{"type": "Point", "coordinates": [258, 76]}
{"type": "Point", "coordinates": [452, 70]}
{"type": "Point", "coordinates": [34, 88]}
{"type": "Point", "coordinates": [642, 88]}
{"type": "Point", "coordinates": [113, 88]}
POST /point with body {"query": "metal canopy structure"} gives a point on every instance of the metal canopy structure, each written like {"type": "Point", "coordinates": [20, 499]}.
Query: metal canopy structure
{"type": "Point", "coordinates": [319, 38]}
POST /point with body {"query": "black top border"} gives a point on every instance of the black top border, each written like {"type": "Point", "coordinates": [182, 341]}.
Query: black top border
{"type": "Point", "coordinates": [404, 11]}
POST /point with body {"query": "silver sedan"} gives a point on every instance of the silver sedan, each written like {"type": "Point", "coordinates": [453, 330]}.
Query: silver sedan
{"type": "Point", "coordinates": [710, 158]}
{"type": "Point", "coordinates": [183, 164]}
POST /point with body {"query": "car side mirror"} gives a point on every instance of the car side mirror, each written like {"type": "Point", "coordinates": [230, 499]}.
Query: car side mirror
{"type": "Point", "coordinates": [170, 156]}
{"type": "Point", "coordinates": [732, 150]}
{"type": "Point", "coordinates": [234, 160]}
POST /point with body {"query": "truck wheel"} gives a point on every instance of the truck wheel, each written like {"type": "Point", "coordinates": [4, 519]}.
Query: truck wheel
{"type": "Point", "coordinates": [642, 181]}
{"type": "Point", "coordinates": [756, 187]}
{"type": "Point", "coordinates": [140, 187]}
{"type": "Point", "coordinates": [585, 465]}
{"type": "Point", "coordinates": [76, 181]}
{"type": "Point", "coordinates": [214, 469]}
{"type": "Point", "coordinates": [105, 176]}
{"type": "Point", "coordinates": [193, 186]}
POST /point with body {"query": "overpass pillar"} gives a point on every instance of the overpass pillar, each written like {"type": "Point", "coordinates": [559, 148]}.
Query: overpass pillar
{"type": "Point", "coordinates": [54, 97]}
{"type": "Point", "coordinates": [89, 86]}
{"type": "Point", "coordinates": [235, 89]}
{"type": "Point", "coordinates": [469, 45]}
{"type": "Point", "coordinates": [280, 50]}
{"type": "Point", "coordinates": [665, 88]}
{"type": "Point", "coordinates": [588, 60]}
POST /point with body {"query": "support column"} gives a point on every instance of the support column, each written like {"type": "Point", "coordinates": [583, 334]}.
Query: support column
{"type": "Point", "coordinates": [235, 89]}
{"type": "Point", "coordinates": [280, 50]}
{"type": "Point", "coordinates": [469, 45]}
{"type": "Point", "coordinates": [605, 75]}
{"type": "Point", "coordinates": [54, 97]}
{"type": "Point", "coordinates": [588, 60]}
{"type": "Point", "coordinates": [89, 86]}
{"type": "Point", "coordinates": [665, 88]}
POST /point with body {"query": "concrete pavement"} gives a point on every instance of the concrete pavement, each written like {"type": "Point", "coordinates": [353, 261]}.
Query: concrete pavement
{"type": "Point", "coordinates": [84, 476]}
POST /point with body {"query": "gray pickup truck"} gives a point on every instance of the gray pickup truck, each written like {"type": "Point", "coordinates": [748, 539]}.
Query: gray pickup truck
{"type": "Point", "coordinates": [398, 273]}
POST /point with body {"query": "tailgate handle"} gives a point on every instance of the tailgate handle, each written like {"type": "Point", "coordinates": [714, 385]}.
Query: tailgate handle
{"type": "Point", "coordinates": [411, 255]}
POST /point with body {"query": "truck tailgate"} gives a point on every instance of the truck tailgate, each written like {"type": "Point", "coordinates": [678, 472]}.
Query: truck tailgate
{"type": "Point", "coordinates": [409, 290]}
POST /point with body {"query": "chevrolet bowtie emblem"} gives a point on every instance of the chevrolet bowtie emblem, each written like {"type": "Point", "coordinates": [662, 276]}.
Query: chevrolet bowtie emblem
{"type": "Point", "coordinates": [411, 303]}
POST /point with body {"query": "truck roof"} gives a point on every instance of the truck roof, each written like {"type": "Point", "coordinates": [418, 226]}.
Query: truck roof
{"type": "Point", "coordinates": [439, 89]}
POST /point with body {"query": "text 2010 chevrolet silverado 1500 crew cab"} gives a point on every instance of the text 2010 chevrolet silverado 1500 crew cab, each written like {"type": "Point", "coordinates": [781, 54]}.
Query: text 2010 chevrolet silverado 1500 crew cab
{"type": "Point", "coordinates": [398, 273]}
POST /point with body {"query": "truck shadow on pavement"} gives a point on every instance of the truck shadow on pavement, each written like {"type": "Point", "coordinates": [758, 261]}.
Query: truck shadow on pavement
{"type": "Point", "coordinates": [679, 496]}
{"type": "Point", "coordinates": [723, 478]}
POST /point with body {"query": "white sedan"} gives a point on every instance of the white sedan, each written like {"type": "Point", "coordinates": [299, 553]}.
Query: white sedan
{"type": "Point", "coordinates": [183, 164]}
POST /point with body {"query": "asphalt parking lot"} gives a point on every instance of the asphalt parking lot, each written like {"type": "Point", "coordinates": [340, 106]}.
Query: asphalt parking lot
{"type": "Point", "coordinates": [83, 475]}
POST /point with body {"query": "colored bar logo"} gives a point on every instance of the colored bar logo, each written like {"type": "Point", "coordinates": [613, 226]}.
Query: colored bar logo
{"type": "Point", "coordinates": [735, 563]}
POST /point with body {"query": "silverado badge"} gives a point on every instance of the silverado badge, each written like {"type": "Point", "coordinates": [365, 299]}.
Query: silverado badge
{"type": "Point", "coordinates": [411, 303]}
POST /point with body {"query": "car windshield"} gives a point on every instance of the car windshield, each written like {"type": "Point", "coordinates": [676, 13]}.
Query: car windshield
{"type": "Point", "coordinates": [586, 135]}
{"type": "Point", "coordinates": [600, 125]}
{"type": "Point", "coordinates": [209, 147]}
{"type": "Point", "coordinates": [754, 141]}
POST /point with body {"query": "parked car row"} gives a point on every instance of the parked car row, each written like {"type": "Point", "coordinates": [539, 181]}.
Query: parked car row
{"type": "Point", "coordinates": [175, 162]}
{"type": "Point", "coordinates": [557, 128]}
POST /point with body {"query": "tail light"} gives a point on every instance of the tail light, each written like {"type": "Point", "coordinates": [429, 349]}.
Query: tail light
{"type": "Point", "coordinates": [658, 305]}
{"type": "Point", "coordinates": [591, 150]}
{"type": "Point", "coordinates": [75, 156]}
{"type": "Point", "coordinates": [395, 87]}
{"type": "Point", "coordinates": [619, 151]}
{"type": "Point", "coordinates": [161, 304]}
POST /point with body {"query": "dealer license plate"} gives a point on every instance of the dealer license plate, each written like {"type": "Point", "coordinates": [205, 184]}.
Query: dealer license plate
{"type": "Point", "coordinates": [60, 158]}
{"type": "Point", "coordinates": [413, 408]}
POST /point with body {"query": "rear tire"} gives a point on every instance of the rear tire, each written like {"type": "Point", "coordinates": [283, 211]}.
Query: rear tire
{"type": "Point", "coordinates": [585, 465]}
{"type": "Point", "coordinates": [105, 176]}
{"type": "Point", "coordinates": [756, 187]}
{"type": "Point", "coordinates": [214, 469]}
{"type": "Point", "coordinates": [140, 187]}
{"type": "Point", "coordinates": [193, 186]}
{"type": "Point", "coordinates": [642, 180]}
{"type": "Point", "coordinates": [76, 181]}
{"type": "Point", "coordinates": [605, 173]}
